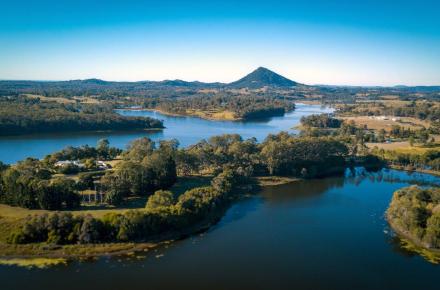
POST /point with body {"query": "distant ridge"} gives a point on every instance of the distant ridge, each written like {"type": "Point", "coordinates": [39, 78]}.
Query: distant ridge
{"type": "Point", "coordinates": [262, 77]}
{"type": "Point", "coordinates": [259, 78]}
{"type": "Point", "coordinates": [92, 81]}
{"type": "Point", "coordinates": [181, 83]}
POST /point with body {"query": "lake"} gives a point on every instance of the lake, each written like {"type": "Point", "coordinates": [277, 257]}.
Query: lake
{"type": "Point", "coordinates": [314, 234]}
{"type": "Point", "coordinates": [188, 130]}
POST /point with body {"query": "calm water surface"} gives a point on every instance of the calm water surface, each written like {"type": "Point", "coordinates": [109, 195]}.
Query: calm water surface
{"type": "Point", "coordinates": [188, 130]}
{"type": "Point", "coordinates": [316, 234]}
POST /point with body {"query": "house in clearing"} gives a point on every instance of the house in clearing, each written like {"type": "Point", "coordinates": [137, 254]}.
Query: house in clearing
{"type": "Point", "coordinates": [69, 162]}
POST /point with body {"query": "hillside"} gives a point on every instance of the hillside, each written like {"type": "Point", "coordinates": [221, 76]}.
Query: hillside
{"type": "Point", "coordinates": [262, 77]}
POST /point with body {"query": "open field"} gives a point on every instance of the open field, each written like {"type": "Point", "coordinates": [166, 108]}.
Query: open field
{"type": "Point", "coordinates": [61, 100]}
{"type": "Point", "coordinates": [405, 147]}
{"type": "Point", "coordinates": [213, 114]}
{"type": "Point", "coordinates": [218, 115]}
{"type": "Point", "coordinates": [390, 146]}
{"type": "Point", "coordinates": [378, 124]}
{"type": "Point", "coordinates": [51, 99]}
{"type": "Point", "coordinates": [87, 100]}
{"type": "Point", "coordinates": [401, 147]}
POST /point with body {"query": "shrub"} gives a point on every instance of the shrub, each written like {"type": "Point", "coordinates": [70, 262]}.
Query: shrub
{"type": "Point", "coordinates": [160, 199]}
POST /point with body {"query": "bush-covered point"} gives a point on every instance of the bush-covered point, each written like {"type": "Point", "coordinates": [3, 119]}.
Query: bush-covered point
{"type": "Point", "coordinates": [163, 214]}
{"type": "Point", "coordinates": [415, 212]}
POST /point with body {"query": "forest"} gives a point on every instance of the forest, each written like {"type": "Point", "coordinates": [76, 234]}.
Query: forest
{"type": "Point", "coordinates": [22, 115]}
{"type": "Point", "coordinates": [321, 121]}
{"type": "Point", "coordinates": [413, 212]}
{"type": "Point", "coordinates": [243, 107]}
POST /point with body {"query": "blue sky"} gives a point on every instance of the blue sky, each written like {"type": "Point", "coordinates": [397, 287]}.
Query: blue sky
{"type": "Point", "coordinates": [316, 41]}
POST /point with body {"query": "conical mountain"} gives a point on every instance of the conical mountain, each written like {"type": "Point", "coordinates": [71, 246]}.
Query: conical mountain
{"type": "Point", "coordinates": [262, 77]}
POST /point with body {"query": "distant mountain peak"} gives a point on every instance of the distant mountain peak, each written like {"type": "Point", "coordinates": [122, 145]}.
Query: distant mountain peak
{"type": "Point", "coordinates": [262, 77]}
{"type": "Point", "coordinates": [93, 81]}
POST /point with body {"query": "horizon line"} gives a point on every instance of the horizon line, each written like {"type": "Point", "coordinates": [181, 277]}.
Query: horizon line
{"type": "Point", "coordinates": [217, 82]}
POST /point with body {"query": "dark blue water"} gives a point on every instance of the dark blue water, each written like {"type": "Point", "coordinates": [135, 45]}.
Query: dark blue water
{"type": "Point", "coordinates": [315, 234]}
{"type": "Point", "coordinates": [188, 130]}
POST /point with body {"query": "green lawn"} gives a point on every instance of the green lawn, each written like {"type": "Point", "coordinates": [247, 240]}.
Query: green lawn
{"type": "Point", "coordinates": [12, 217]}
{"type": "Point", "coordinates": [182, 184]}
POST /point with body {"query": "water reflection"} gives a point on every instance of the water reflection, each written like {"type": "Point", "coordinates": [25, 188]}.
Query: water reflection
{"type": "Point", "coordinates": [396, 245]}
{"type": "Point", "coordinates": [300, 190]}
{"type": "Point", "coordinates": [358, 174]}
{"type": "Point", "coordinates": [188, 130]}
{"type": "Point", "coordinates": [240, 210]}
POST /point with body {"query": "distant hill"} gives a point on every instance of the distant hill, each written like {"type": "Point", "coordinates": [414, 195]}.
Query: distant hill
{"type": "Point", "coordinates": [259, 78]}
{"type": "Point", "coordinates": [262, 77]}
{"type": "Point", "coordinates": [92, 81]}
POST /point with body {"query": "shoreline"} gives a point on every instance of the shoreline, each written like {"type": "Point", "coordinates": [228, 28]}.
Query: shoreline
{"type": "Point", "coordinates": [81, 132]}
{"type": "Point", "coordinates": [105, 249]}
{"type": "Point", "coordinates": [22, 255]}
{"type": "Point", "coordinates": [402, 168]}
{"type": "Point", "coordinates": [194, 115]}
{"type": "Point", "coordinates": [42, 255]}
{"type": "Point", "coordinates": [413, 244]}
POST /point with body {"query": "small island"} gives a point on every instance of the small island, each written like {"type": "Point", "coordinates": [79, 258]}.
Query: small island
{"type": "Point", "coordinates": [414, 214]}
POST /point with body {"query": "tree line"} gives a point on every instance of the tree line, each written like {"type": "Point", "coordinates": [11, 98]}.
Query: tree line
{"type": "Point", "coordinates": [320, 121]}
{"type": "Point", "coordinates": [421, 110]}
{"type": "Point", "coordinates": [430, 159]}
{"type": "Point", "coordinates": [243, 106]}
{"type": "Point", "coordinates": [22, 115]}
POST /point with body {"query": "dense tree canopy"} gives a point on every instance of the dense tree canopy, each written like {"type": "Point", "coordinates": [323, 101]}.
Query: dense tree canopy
{"type": "Point", "coordinates": [307, 157]}
{"type": "Point", "coordinates": [414, 211]}
{"type": "Point", "coordinates": [29, 184]}
{"type": "Point", "coordinates": [144, 169]}
{"type": "Point", "coordinates": [243, 106]}
{"type": "Point", "coordinates": [25, 116]}
{"type": "Point", "coordinates": [321, 121]}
